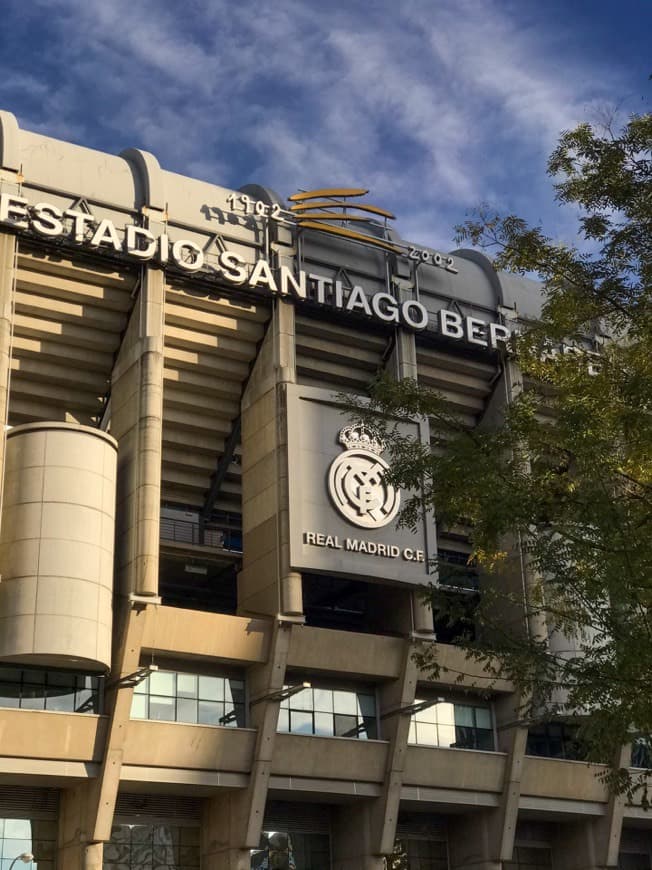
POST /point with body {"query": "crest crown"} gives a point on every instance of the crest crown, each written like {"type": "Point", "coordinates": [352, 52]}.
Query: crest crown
{"type": "Point", "coordinates": [361, 437]}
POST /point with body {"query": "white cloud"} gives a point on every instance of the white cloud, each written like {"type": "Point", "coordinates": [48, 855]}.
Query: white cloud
{"type": "Point", "coordinates": [435, 107]}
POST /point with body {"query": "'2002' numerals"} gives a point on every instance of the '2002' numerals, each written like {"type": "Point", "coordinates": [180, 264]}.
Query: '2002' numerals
{"type": "Point", "coordinates": [443, 261]}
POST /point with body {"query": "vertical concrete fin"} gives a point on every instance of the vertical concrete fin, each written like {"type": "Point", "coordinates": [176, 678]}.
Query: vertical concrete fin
{"type": "Point", "coordinates": [266, 584]}
{"type": "Point", "coordinates": [7, 287]}
{"type": "Point", "coordinates": [148, 177]}
{"type": "Point", "coordinates": [137, 424]}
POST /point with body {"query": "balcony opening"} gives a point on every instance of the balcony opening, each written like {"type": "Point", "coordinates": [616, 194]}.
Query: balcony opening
{"type": "Point", "coordinates": [353, 605]}
{"type": "Point", "coordinates": [455, 601]}
{"type": "Point", "coordinates": [555, 740]}
{"type": "Point", "coordinates": [198, 582]}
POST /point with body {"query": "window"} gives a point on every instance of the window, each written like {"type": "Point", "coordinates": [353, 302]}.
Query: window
{"type": "Point", "coordinates": [330, 713]}
{"type": "Point", "coordinates": [285, 850]}
{"type": "Point", "coordinates": [170, 696]}
{"type": "Point", "coordinates": [642, 752]}
{"type": "Point", "coordinates": [554, 740]}
{"type": "Point", "coordinates": [65, 691]}
{"type": "Point", "coordinates": [134, 847]}
{"type": "Point", "coordinates": [34, 836]}
{"type": "Point", "coordinates": [460, 726]}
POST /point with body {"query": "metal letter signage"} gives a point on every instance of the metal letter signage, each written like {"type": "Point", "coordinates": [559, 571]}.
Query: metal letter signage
{"type": "Point", "coordinates": [356, 480]}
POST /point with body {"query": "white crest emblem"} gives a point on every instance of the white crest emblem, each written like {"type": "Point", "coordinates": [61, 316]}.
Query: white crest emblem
{"type": "Point", "coordinates": [356, 480]}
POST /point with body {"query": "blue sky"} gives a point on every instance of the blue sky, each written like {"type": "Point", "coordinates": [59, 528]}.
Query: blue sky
{"type": "Point", "coordinates": [434, 105]}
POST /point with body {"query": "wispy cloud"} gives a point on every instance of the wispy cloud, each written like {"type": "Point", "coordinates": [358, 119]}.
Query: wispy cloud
{"type": "Point", "coordinates": [434, 107]}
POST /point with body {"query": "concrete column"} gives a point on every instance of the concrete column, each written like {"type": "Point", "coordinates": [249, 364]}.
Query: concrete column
{"type": "Point", "coordinates": [103, 791]}
{"type": "Point", "coordinates": [74, 852]}
{"type": "Point", "coordinates": [486, 839]}
{"type": "Point", "coordinates": [266, 583]}
{"type": "Point", "coordinates": [353, 842]}
{"type": "Point", "coordinates": [233, 822]}
{"type": "Point", "coordinates": [394, 697]}
{"type": "Point", "coordinates": [364, 833]}
{"type": "Point", "coordinates": [137, 424]}
{"type": "Point", "coordinates": [593, 843]}
{"type": "Point", "coordinates": [220, 826]}
{"type": "Point", "coordinates": [422, 614]}
{"type": "Point", "coordinates": [403, 364]}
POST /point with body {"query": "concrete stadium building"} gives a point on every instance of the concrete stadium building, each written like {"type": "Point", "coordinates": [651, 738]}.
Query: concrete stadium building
{"type": "Point", "coordinates": [207, 612]}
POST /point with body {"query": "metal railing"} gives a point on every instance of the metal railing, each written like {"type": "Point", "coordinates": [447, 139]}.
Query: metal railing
{"type": "Point", "coordinates": [204, 535]}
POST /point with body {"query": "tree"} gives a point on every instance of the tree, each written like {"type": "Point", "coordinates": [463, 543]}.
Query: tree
{"type": "Point", "coordinates": [565, 475]}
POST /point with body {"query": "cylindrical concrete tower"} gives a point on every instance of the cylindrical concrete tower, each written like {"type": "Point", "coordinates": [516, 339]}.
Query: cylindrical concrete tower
{"type": "Point", "coordinates": [56, 546]}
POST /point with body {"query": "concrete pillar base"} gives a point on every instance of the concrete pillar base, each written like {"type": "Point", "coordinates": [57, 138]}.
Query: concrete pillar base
{"type": "Point", "coordinates": [74, 852]}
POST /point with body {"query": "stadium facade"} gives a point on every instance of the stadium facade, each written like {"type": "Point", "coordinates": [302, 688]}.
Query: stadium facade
{"type": "Point", "coordinates": [207, 613]}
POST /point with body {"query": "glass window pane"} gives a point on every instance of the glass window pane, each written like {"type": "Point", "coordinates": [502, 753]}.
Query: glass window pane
{"type": "Point", "coordinates": [234, 691]}
{"type": "Point", "coordinates": [300, 722]}
{"type": "Point", "coordinates": [143, 687]}
{"type": "Point", "coordinates": [346, 726]}
{"type": "Point", "coordinates": [186, 686]}
{"type": "Point", "coordinates": [283, 720]}
{"type": "Point", "coordinates": [324, 724]}
{"type": "Point", "coordinates": [10, 675]}
{"type": "Point", "coordinates": [139, 707]}
{"type": "Point", "coordinates": [412, 736]}
{"type": "Point", "coordinates": [233, 717]}
{"type": "Point", "coordinates": [18, 829]}
{"type": "Point", "coordinates": [302, 700]}
{"type": "Point", "coordinates": [60, 699]}
{"type": "Point", "coordinates": [33, 697]}
{"type": "Point", "coordinates": [161, 708]}
{"type": "Point", "coordinates": [86, 700]}
{"type": "Point", "coordinates": [345, 702]}
{"type": "Point", "coordinates": [9, 694]}
{"type": "Point", "coordinates": [86, 681]}
{"type": "Point", "coordinates": [445, 714]}
{"type": "Point", "coordinates": [209, 712]}
{"type": "Point", "coordinates": [426, 734]}
{"type": "Point", "coordinates": [61, 679]}
{"type": "Point", "coordinates": [13, 848]}
{"type": "Point", "coordinates": [446, 734]}
{"type": "Point", "coordinates": [464, 737]}
{"type": "Point", "coordinates": [371, 728]}
{"type": "Point", "coordinates": [429, 714]}
{"type": "Point", "coordinates": [485, 739]}
{"type": "Point", "coordinates": [464, 715]}
{"type": "Point", "coordinates": [211, 688]}
{"type": "Point", "coordinates": [367, 705]}
{"type": "Point", "coordinates": [162, 683]}
{"type": "Point", "coordinates": [240, 716]}
{"type": "Point", "coordinates": [187, 710]}
{"type": "Point", "coordinates": [482, 717]}
{"type": "Point", "coordinates": [323, 700]}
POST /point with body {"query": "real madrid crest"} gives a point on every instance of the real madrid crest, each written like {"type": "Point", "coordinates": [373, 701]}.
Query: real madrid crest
{"type": "Point", "coordinates": [356, 480]}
